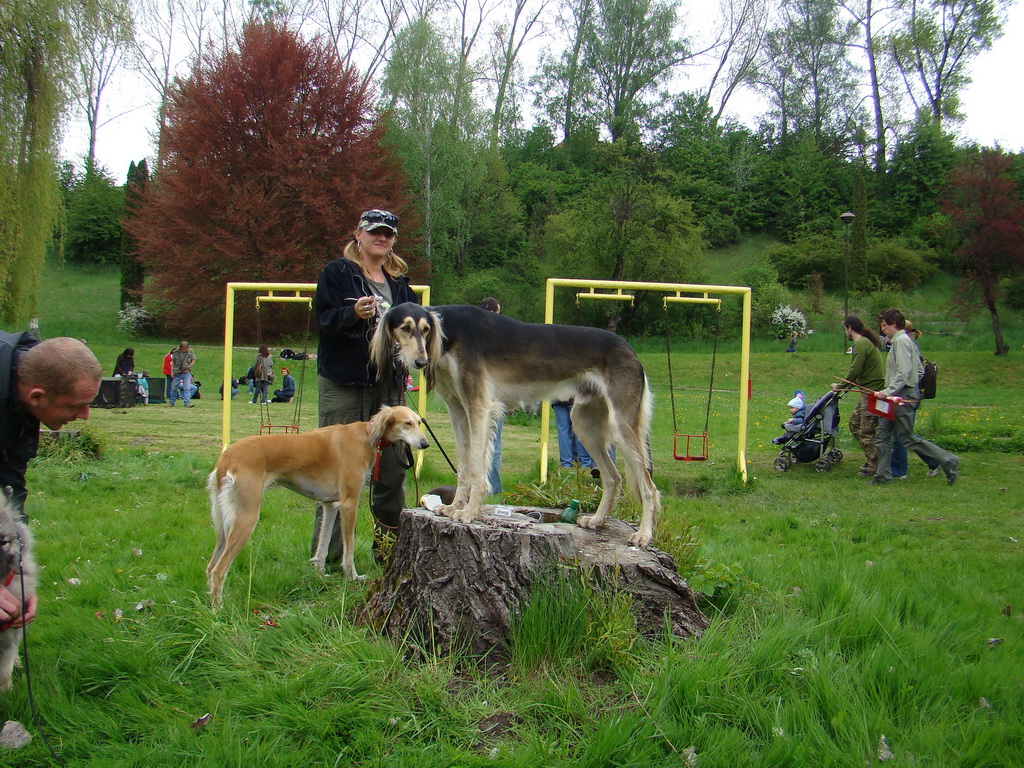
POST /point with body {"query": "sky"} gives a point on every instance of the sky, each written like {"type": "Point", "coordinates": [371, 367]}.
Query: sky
{"type": "Point", "coordinates": [994, 111]}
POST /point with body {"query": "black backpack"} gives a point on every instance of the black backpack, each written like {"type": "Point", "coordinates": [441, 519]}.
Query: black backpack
{"type": "Point", "coordinates": [929, 378]}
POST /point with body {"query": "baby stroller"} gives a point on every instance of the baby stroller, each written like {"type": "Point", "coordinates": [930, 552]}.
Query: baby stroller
{"type": "Point", "coordinates": [815, 441]}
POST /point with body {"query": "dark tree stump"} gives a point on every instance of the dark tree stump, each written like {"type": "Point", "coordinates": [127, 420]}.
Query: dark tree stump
{"type": "Point", "coordinates": [452, 585]}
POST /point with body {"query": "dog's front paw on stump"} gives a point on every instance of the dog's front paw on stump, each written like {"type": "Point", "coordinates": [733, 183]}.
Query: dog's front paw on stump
{"type": "Point", "coordinates": [457, 513]}
{"type": "Point", "coordinates": [590, 522]}
{"type": "Point", "coordinates": [640, 539]}
{"type": "Point", "coordinates": [465, 515]}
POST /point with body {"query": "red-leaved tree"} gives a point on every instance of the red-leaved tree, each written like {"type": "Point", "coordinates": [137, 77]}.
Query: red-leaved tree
{"type": "Point", "coordinates": [272, 152]}
{"type": "Point", "coordinates": [987, 217]}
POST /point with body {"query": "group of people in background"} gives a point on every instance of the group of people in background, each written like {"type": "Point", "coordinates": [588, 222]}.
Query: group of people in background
{"type": "Point", "coordinates": [181, 385]}
{"type": "Point", "coordinates": [261, 375]}
{"type": "Point", "coordinates": [885, 442]}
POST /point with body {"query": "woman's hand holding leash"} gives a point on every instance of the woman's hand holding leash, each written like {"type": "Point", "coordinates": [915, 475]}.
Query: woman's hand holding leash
{"type": "Point", "coordinates": [366, 307]}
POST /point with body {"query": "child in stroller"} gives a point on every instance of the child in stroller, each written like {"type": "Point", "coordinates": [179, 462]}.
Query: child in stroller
{"type": "Point", "coordinates": [795, 422]}
{"type": "Point", "coordinates": [815, 439]}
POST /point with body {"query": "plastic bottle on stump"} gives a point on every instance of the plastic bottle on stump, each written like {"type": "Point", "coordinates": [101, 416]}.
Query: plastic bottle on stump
{"type": "Point", "coordinates": [570, 513]}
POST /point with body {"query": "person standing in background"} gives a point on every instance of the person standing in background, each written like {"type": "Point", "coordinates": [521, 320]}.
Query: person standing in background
{"type": "Point", "coordinates": [169, 372]}
{"type": "Point", "coordinates": [182, 360]}
{"type": "Point", "coordinates": [263, 374]}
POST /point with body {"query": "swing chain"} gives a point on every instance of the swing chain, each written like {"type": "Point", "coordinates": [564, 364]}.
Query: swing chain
{"type": "Point", "coordinates": [714, 357]}
{"type": "Point", "coordinates": [302, 368]}
{"type": "Point", "coordinates": [266, 422]}
{"type": "Point", "coordinates": [711, 385]}
{"type": "Point", "coordinates": [671, 386]}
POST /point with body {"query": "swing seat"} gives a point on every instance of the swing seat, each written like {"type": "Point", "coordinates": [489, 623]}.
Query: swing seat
{"type": "Point", "coordinates": [285, 428]}
{"type": "Point", "coordinates": [680, 437]}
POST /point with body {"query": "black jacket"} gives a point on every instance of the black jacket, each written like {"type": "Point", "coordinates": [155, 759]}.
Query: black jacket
{"type": "Point", "coordinates": [343, 352]}
{"type": "Point", "coordinates": [19, 431]}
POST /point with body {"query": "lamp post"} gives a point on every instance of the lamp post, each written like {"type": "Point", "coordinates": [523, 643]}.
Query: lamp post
{"type": "Point", "coordinates": [847, 219]}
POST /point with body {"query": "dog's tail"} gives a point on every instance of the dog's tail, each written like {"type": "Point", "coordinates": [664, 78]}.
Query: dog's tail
{"type": "Point", "coordinates": [646, 416]}
{"type": "Point", "coordinates": [222, 508]}
{"type": "Point", "coordinates": [643, 442]}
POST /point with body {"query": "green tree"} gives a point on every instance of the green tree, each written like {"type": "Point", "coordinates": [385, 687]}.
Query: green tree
{"type": "Point", "coordinates": [133, 274]}
{"type": "Point", "coordinates": [631, 49]}
{"type": "Point", "coordinates": [566, 87]}
{"type": "Point", "coordinates": [859, 274]}
{"type": "Point", "coordinates": [717, 168]}
{"type": "Point", "coordinates": [917, 175]}
{"type": "Point", "coordinates": [626, 226]}
{"type": "Point", "coordinates": [935, 44]}
{"type": "Point", "coordinates": [36, 53]}
{"type": "Point", "coordinates": [808, 185]}
{"type": "Point", "coordinates": [435, 127]}
{"type": "Point", "coordinates": [806, 73]}
{"type": "Point", "coordinates": [495, 217]}
{"type": "Point", "coordinates": [93, 232]}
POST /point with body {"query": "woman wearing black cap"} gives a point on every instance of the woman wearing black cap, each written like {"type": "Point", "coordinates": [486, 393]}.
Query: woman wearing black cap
{"type": "Point", "coordinates": [351, 295]}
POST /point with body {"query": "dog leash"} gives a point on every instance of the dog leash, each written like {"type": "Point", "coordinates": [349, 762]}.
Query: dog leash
{"type": "Point", "coordinates": [439, 446]}
{"type": "Point", "coordinates": [37, 719]}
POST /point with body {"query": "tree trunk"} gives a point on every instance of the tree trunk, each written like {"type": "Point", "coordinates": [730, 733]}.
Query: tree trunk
{"type": "Point", "coordinates": [452, 586]}
{"type": "Point", "coordinates": [1001, 347]}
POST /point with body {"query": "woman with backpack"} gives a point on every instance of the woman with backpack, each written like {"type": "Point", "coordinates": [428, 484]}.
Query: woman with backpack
{"type": "Point", "coordinates": [262, 374]}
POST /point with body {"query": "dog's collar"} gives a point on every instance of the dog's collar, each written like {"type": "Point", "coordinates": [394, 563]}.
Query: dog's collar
{"type": "Point", "coordinates": [381, 445]}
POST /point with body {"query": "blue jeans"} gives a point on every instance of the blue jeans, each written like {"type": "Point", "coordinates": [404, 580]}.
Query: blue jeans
{"type": "Point", "coordinates": [570, 449]}
{"type": "Point", "coordinates": [181, 384]}
{"type": "Point", "coordinates": [898, 459]}
{"type": "Point", "coordinates": [902, 427]}
{"type": "Point", "coordinates": [494, 474]}
{"type": "Point", "coordinates": [259, 391]}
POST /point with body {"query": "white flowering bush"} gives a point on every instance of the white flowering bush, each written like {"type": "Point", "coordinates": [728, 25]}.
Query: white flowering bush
{"type": "Point", "coordinates": [787, 320]}
{"type": "Point", "coordinates": [134, 321]}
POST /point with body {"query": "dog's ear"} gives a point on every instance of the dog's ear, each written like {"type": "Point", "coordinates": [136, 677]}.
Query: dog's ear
{"type": "Point", "coordinates": [435, 347]}
{"type": "Point", "coordinates": [380, 423]}
{"type": "Point", "coordinates": [382, 348]}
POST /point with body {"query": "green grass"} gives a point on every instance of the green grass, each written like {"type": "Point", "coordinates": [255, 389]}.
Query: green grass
{"type": "Point", "coordinates": [848, 612]}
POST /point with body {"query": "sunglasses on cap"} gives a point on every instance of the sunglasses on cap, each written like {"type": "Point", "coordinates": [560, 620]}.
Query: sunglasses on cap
{"type": "Point", "coordinates": [375, 219]}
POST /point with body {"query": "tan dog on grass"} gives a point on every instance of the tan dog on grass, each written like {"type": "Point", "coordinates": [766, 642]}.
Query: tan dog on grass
{"type": "Point", "coordinates": [328, 465]}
